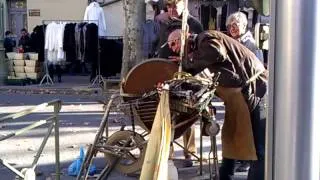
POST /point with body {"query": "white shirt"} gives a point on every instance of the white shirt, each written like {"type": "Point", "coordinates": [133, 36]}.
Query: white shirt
{"type": "Point", "coordinates": [95, 14]}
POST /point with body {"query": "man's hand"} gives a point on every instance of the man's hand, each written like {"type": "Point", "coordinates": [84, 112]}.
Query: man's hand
{"type": "Point", "coordinates": [174, 58]}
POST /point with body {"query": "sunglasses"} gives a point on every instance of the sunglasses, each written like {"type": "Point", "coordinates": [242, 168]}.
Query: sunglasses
{"type": "Point", "coordinates": [169, 43]}
{"type": "Point", "coordinates": [233, 25]}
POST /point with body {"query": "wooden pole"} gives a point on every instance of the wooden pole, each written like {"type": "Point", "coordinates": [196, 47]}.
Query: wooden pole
{"type": "Point", "coordinates": [184, 35]}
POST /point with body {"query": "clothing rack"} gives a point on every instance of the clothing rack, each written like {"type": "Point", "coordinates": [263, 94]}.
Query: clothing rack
{"type": "Point", "coordinates": [111, 37]}
{"type": "Point", "coordinates": [46, 78]}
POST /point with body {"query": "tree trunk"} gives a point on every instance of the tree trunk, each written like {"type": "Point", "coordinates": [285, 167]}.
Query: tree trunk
{"type": "Point", "coordinates": [135, 15]}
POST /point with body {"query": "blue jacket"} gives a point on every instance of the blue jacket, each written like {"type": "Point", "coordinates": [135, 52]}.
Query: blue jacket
{"type": "Point", "coordinates": [248, 41]}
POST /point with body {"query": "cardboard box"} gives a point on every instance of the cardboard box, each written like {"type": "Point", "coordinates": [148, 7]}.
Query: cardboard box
{"type": "Point", "coordinates": [18, 69]}
{"type": "Point", "coordinates": [18, 62]}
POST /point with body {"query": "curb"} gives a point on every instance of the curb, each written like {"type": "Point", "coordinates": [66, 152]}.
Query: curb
{"type": "Point", "coordinates": [54, 91]}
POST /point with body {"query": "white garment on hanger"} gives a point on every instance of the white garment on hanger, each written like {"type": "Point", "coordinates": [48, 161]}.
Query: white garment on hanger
{"type": "Point", "coordinates": [54, 42]}
{"type": "Point", "coordinates": [95, 13]}
{"type": "Point", "coordinates": [61, 53]}
{"type": "Point", "coordinates": [50, 44]}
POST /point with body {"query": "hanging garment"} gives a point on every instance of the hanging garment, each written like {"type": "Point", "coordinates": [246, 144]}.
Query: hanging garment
{"type": "Point", "coordinates": [212, 24]}
{"type": "Point", "coordinates": [79, 37]}
{"type": "Point", "coordinates": [206, 13]}
{"type": "Point", "coordinates": [111, 56]}
{"type": "Point", "coordinates": [37, 41]}
{"type": "Point", "coordinates": [60, 53]}
{"type": "Point", "coordinates": [90, 32]}
{"type": "Point", "coordinates": [96, 14]}
{"type": "Point", "coordinates": [54, 42]}
{"type": "Point", "coordinates": [69, 42]}
{"type": "Point", "coordinates": [91, 48]}
{"type": "Point", "coordinates": [50, 43]}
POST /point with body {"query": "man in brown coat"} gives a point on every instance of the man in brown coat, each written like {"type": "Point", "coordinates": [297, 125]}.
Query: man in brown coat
{"type": "Point", "coordinates": [242, 87]}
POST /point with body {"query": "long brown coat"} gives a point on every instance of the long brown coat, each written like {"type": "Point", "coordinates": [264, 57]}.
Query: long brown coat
{"type": "Point", "coordinates": [237, 64]}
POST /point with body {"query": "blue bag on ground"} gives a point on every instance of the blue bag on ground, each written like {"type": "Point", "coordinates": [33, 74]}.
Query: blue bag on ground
{"type": "Point", "coordinates": [74, 168]}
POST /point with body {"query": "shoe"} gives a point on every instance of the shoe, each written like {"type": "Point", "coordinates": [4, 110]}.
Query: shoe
{"type": "Point", "coordinates": [187, 162]}
{"type": "Point", "coordinates": [244, 167]}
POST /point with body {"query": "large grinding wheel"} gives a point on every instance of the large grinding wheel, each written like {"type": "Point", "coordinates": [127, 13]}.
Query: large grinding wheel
{"type": "Point", "coordinates": [144, 77]}
{"type": "Point", "coordinates": [132, 161]}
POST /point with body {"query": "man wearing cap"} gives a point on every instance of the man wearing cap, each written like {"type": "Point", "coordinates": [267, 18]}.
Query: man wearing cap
{"type": "Point", "coordinates": [170, 21]}
{"type": "Point", "coordinates": [242, 87]}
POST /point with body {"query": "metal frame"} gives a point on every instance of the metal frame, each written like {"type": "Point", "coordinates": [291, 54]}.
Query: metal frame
{"type": "Point", "coordinates": [135, 120]}
{"type": "Point", "coordinates": [53, 122]}
{"type": "Point", "coordinates": [46, 78]}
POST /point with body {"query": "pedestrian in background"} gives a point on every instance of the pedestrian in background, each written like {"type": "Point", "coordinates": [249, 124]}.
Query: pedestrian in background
{"type": "Point", "coordinates": [25, 41]}
{"type": "Point", "coordinates": [9, 42]}
{"type": "Point", "coordinates": [172, 20]}
{"type": "Point", "coordinates": [237, 28]}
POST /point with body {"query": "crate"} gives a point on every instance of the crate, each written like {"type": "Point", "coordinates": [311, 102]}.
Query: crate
{"type": "Point", "coordinates": [11, 55]}
{"type": "Point", "coordinates": [21, 75]}
{"type": "Point", "coordinates": [31, 69]}
{"type": "Point", "coordinates": [18, 69]}
{"type": "Point", "coordinates": [18, 62]}
{"type": "Point", "coordinates": [31, 63]}
{"type": "Point", "coordinates": [14, 77]}
{"type": "Point", "coordinates": [19, 56]}
{"type": "Point", "coordinates": [11, 73]}
{"type": "Point", "coordinates": [10, 66]}
{"type": "Point", "coordinates": [33, 56]}
{"type": "Point", "coordinates": [33, 75]}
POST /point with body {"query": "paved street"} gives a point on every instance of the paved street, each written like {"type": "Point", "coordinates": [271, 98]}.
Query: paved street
{"type": "Point", "coordinates": [79, 120]}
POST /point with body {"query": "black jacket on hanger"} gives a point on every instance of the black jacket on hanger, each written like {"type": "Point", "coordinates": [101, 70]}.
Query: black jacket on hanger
{"type": "Point", "coordinates": [91, 43]}
{"type": "Point", "coordinates": [111, 56]}
{"type": "Point", "coordinates": [37, 41]}
{"type": "Point", "coordinates": [69, 42]}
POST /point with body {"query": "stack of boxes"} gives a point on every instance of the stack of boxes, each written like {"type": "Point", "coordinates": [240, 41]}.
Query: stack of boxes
{"type": "Point", "coordinates": [24, 66]}
{"type": "Point", "coordinates": [16, 66]}
{"type": "Point", "coordinates": [32, 68]}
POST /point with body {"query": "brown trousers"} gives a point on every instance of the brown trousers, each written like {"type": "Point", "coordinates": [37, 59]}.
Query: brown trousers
{"type": "Point", "coordinates": [189, 143]}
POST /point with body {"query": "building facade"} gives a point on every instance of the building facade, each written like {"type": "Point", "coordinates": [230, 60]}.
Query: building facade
{"type": "Point", "coordinates": [18, 14]}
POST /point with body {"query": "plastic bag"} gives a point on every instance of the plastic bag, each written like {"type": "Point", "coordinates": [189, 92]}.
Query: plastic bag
{"type": "Point", "coordinates": [74, 168]}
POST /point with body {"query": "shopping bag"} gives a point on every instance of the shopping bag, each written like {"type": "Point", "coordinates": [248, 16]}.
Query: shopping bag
{"type": "Point", "coordinates": [74, 167]}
